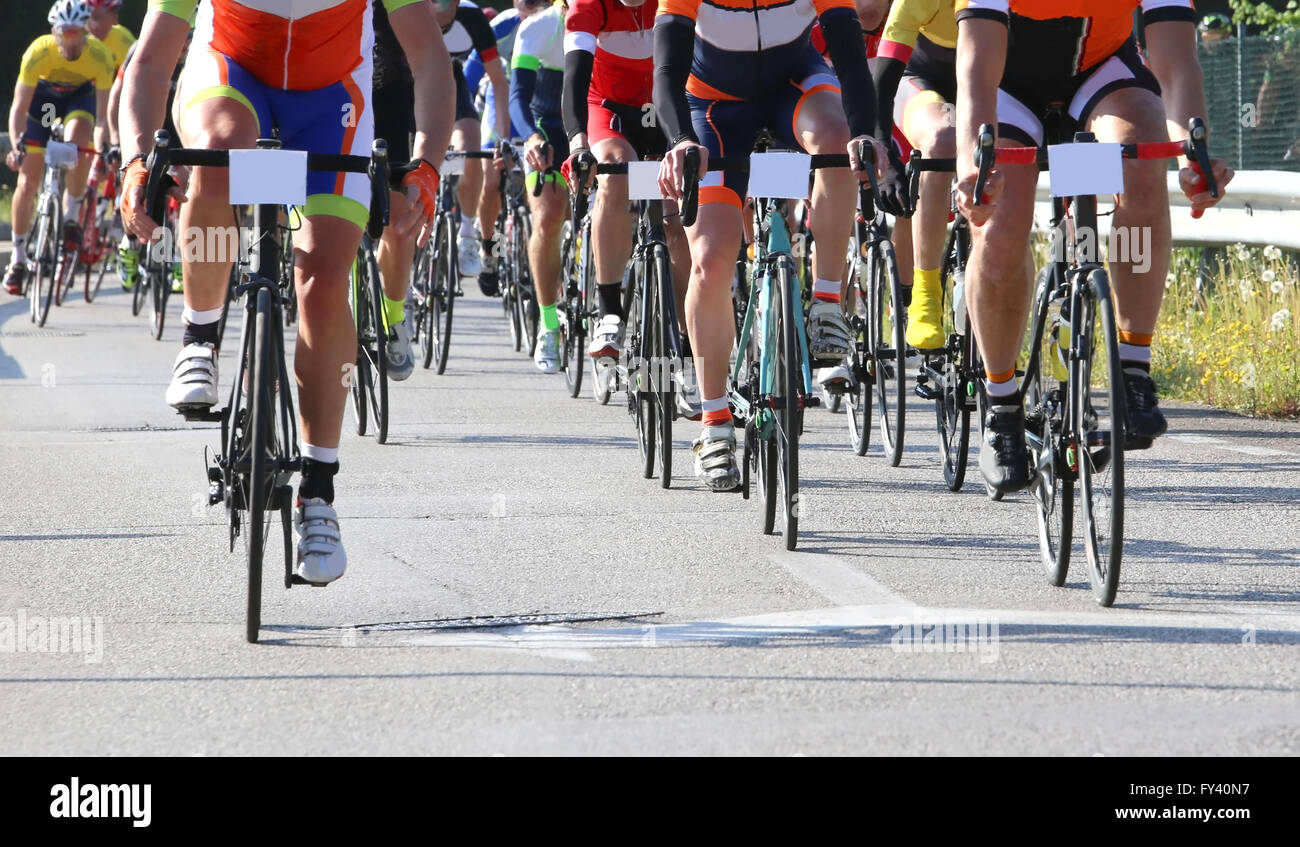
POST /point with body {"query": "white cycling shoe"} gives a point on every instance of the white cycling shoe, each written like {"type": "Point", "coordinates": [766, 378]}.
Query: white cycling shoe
{"type": "Point", "coordinates": [320, 555]}
{"type": "Point", "coordinates": [607, 338]}
{"type": "Point", "coordinates": [547, 356]}
{"type": "Point", "coordinates": [715, 458]}
{"type": "Point", "coordinates": [401, 361]}
{"type": "Point", "coordinates": [467, 250]}
{"type": "Point", "coordinates": [828, 332]}
{"type": "Point", "coordinates": [194, 378]}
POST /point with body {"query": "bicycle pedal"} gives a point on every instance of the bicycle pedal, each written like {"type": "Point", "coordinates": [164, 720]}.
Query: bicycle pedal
{"type": "Point", "coordinates": [925, 391]}
{"type": "Point", "coordinates": [201, 414]}
{"type": "Point", "coordinates": [812, 402]}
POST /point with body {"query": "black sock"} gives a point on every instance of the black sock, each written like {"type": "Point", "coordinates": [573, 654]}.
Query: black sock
{"type": "Point", "coordinates": [907, 296]}
{"type": "Point", "coordinates": [611, 300]}
{"type": "Point", "coordinates": [317, 480]}
{"type": "Point", "coordinates": [686, 347]}
{"type": "Point", "coordinates": [201, 333]}
{"type": "Point", "coordinates": [1145, 367]}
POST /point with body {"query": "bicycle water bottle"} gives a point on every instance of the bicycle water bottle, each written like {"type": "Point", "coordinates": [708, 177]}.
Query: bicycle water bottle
{"type": "Point", "coordinates": [959, 301]}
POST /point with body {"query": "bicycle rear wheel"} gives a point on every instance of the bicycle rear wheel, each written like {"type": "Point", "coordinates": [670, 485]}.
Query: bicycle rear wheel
{"type": "Point", "coordinates": [862, 367]}
{"type": "Point", "coordinates": [362, 378]}
{"type": "Point", "coordinates": [141, 289]}
{"type": "Point", "coordinates": [954, 394]}
{"type": "Point", "coordinates": [379, 350]}
{"type": "Point", "coordinates": [891, 361]}
{"type": "Point", "coordinates": [1097, 388]}
{"type": "Point", "coordinates": [161, 285]}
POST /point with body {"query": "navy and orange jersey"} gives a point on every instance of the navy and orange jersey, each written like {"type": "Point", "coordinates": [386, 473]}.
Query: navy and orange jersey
{"type": "Point", "coordinates": [1101, 26]}
{"type": "Point", "coordinates": [745, 48]}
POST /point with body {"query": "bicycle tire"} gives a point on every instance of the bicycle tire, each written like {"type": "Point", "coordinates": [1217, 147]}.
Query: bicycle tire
{"type": "Point", "coordinates": [42, 293]}
{"type": "Point", "coordinates": [1051, 484]}
{"type": "Point", "coordinates": [259, 479]}
{"type": "Point", "coordinates": [361, 379]}
{"type": "Point", "coordinates": [529, 317]}
{"type": "Point", "coordinates": [422, 288]}
{"type": "Point", "coordinates": [952, 401]}
{"type": "Point", "coordinates": [379, 361]}
{"type": "Point", "coordinates": [789, 389]}
{"type": "Point", "coordinates": [162, 289]}
{"type": "Point", "coordinates": [640, 380]}
{"type": "Point", "coordinates": [892, 423]}
{"type": "Point", "coordinates": [140, 290]}
{"type": "Point", "coordinates": [858, 399]}
{"type": "Point", "coordinates": [1101, 464]}
{"type": "Point", "coordinates": [665, 397]}
{"type": "Point", "coordinates": [445, 293]}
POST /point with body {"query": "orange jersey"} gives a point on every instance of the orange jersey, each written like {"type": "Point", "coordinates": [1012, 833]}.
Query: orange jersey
{"type": "Point", "coordinates": [1104, 24]}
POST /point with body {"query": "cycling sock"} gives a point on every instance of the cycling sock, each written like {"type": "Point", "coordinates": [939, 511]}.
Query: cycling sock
{"type": "Point", "coordinates": [1001, 385]}
{"type": "Point", "coordinates": [611, 299]}
{"type": "Point", "coordinates": [550, 320]}
{"type": "Point", "coordinates": [201, 327]}
{"type": "Point", "coordinates": [1135, 350]}
{"type": "Point", "coordinates": [468, 227]}
{"type": "Point", "coordinates": [317, 477]}
{"type": "Point", "coordinates": [71, 209]}
{"type": "Point", "coordinates": [907, 296]}
{"type": "Point", "coordinates": [20, 250]}
{"type": "Point", "coordinates": [394, 311]}
{"type": "Point", "coordinates": [927, 279]}
{"type": "Point", "coordinates": [716, 412]}
{"type": "Point", "coordinates": [827, 290]}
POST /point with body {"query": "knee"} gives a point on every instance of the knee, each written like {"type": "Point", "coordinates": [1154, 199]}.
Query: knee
{"type": "Point", "coordinates": [712, 269]}
{"type": "Point", "coordinates": [1145, 190]}
{"type": "Point", "coordinates": [937, 140]}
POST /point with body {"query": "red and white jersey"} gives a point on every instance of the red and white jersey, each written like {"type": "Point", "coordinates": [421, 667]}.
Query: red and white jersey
{"type": "Point", "coordinates": [622, 40]}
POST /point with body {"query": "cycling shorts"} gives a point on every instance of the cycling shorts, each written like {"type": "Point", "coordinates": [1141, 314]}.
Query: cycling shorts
{"type": "Point", "coordinates": [607, 119]}
{"type": "Point", "coordinates": [1028, 90]}
{"type": "Point", "coordinates": [464, 99]}
{"type": "Point", "coordinates": [930, 78]}
{"type": "Point", "coordinates": [729, 127]}
{"type": "Point", "coordinates": [68, 103]}
{"type": "Point", "coordinates": [333, 119]}
{"type": "Point", "coordinates": [554, 131]}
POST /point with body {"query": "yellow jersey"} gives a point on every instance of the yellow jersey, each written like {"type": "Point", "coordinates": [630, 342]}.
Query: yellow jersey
{"type": "Point", "coordinates": [118, 41]}
{"type": "Point", "coordinates": [44, 63]}
{"type": "Point", "coordinates": [935, 19]}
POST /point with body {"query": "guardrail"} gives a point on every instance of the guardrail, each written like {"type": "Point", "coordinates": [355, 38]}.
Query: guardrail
{"type": "Point", "coordinates": [1259, 208]}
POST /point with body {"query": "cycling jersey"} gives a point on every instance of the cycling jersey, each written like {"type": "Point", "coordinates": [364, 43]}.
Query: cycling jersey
{"type": "Point", "coordinates": [467, 32]}
{"type": "Point", "coordinates": [537, 73]}
{"type": "Point", "coordinates": [390, 67]}
{"type": "Point", "coordinates": [43, 63]}
{"type": "Point", "coordinates": [118, 41]}
{"type": "Point", "coordinates": [1096, 30]}
{"type": "Point", "coordinates": [908, 19]}
{"type": "Point", "coordinates": [750, 50]}
{"type": "Point", "coordinates": [300, 45]}
{"type": "Point", "coordinates": [870, 40]}
{"type": "Point", "coordinates": [307, 75]}
{"type": "Point", "coordinates": [622, 40]}
{"type": "Point", "coordinates": [504, 27]}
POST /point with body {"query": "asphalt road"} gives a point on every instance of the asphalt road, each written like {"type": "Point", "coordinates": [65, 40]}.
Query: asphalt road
{"type": "Point", "coordinates": [516, 587]}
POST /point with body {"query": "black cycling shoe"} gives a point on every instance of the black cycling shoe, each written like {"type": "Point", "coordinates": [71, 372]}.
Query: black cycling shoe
{"type": "Point", "coordinates": [14, 278]}
{"type": "Point", "coordinates": [1004, 461]}
{"type": "Point", "coordinates": [1146, 422]}
{"type": "Point", "coordinates": [71, 235]}
{"type": "Point", "coordinates": [489, 284]}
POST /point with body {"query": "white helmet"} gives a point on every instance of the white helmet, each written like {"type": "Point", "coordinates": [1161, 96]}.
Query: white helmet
{"type": "Point", "coordinates": [69, 13]}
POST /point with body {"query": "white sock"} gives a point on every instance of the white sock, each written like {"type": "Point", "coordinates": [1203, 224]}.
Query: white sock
{"type": "Point", "coordinates": [194, 317]}
{"type": "Point", "coordinates": [468, 227]}
{"type": "Point", "coordinates": [827, 290]}
{"type": "Point", "coordinates": [324, 455]}
{"type": "Point", "coordinates": [1001, 389]}
{"type": "Point", "coordinates": [717, 404]}
{"type": "Point", "coordinates": [1134, 353]}
{"type": "Point", "coordinates": [20, 250]}
{"type": "Point", "coordinates": [71, 208]}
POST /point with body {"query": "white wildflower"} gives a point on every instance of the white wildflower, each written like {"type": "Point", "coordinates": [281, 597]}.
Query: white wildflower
{"type": "Point", "coordinates": [1277, 286]}
{"type": "Point", "coordinates": [1268, 275]}
{"type": "Point", "coordinates": [1242, 252]}
{"type": "Point", "coordinates": [1272, 253]}
{"type": "Point", "coordinates": [1248, 376]}
{"type": "Point", "coordinates": [1170, 279]}
{"type": "Point", "coordinates": [1246, 288]}
{"type": "Point", "coordinates": [1281, 318]}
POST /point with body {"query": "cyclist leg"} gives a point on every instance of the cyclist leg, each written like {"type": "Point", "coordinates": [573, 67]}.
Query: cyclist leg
{"type": "Point", "coordinates": [926, 119]}
{"type": "Point", "coordinates": [466, 135]}
{"type": "Point", "coordinates": [997, 299]}
{"type": "Point", "coordinates": [394, 122]}
{"type": "Point", "coordinates": [549, 210]}
{"type": "Point", "coordinates": [21, 211]}
{"type": "Point", "coordinates": [223, 108]}
{"type": "Point", "coordinates": [78, 126]}
{"type": "Point", "coordinates": [489, 209]}
{"type": "Point", "coordinates": [612, 234]}
{"type": "Point", "coordinates": [819, 126]}
{"type": "Point", "coordinates": [1140, 229]}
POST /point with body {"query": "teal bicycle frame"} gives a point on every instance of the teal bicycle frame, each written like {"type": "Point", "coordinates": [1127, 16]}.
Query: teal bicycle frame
{"type": "Point", "coordinates": [772, 249]}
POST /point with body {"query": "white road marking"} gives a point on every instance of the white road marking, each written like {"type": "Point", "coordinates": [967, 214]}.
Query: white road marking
{"type": "Point", "coordinates": [838, 581]}
{"type": "Point", "coordinates": [1223, 444]}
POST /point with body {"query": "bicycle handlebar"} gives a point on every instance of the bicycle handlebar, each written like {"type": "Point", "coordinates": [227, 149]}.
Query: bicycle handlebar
{"type": "Point", "coordinates": [867, 162]}
{"type": "Point", "coordinates": [375, 166]}
{"type": "Point", "coordinates": [691, 186]}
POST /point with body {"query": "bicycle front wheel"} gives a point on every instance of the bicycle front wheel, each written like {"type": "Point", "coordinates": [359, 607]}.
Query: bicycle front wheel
{"type": "Point", "coordinates": [660, 283]}
{"type": "Point", "coordinates": [1097, 394]}
{"type": "Point", "coordinates": [444, 293]}
{"type": "Point", "coordinates": [378, 351]}
{"type": "Point", "coordinates": [790, 389]}
{"type": "Point", "coordinates": [260, 478]}
{"type": "Point", "coordinates": [47, 258]}
{"type": "Point", "coordinates": [889, 350]}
